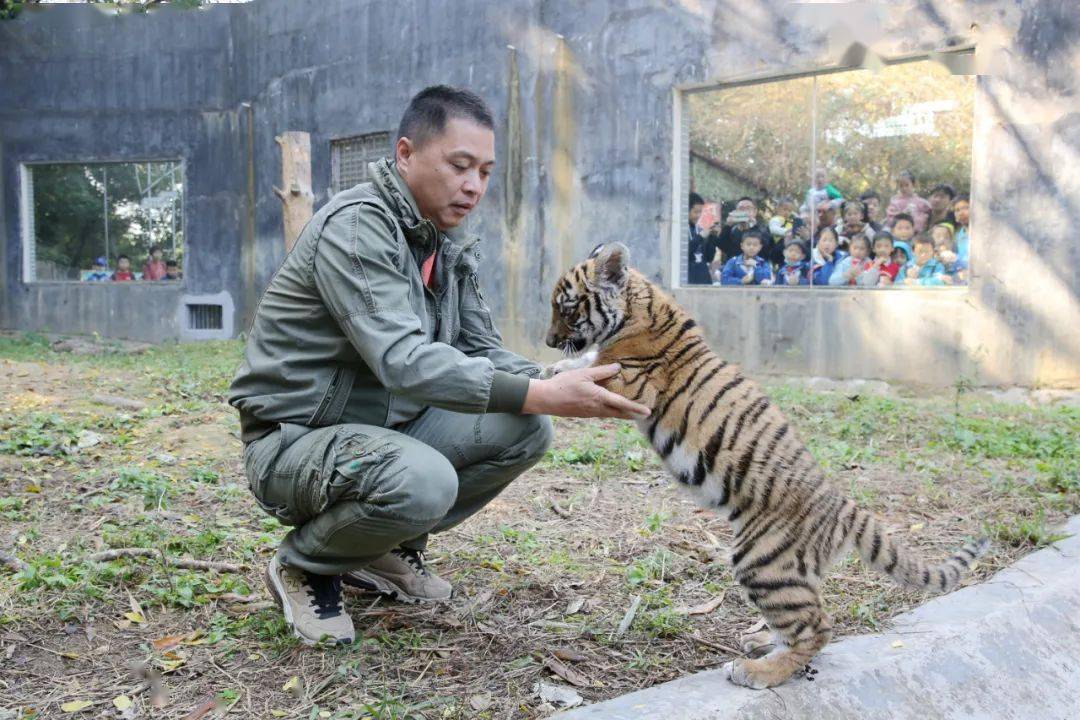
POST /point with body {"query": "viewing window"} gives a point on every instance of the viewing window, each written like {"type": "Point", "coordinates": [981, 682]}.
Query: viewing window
{"type": "Point", "coordinates": [849, 179]}
{"type": "Point", "coordinates": [349, 158]}
{"type": "Point", "coordinates": [103, 222]}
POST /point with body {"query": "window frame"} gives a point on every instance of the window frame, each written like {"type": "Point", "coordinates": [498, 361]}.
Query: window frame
{"type": "Point", "coordinates": [680, 168]}
{"type": "Point", "coordinates": [335, 159]}
{"type": "Point", "coordinates": [28, 246]}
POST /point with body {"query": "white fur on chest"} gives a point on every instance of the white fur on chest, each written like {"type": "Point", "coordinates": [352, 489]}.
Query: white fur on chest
{"type": "Point", "coordinates": [682, 462]}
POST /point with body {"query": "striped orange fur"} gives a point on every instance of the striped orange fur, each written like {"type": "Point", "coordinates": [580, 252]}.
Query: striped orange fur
{"type": "Point", "coordinates": [721, 437]}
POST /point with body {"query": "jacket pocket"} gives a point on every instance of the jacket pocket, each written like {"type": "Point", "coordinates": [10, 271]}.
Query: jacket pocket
{"type": "Point", "coordinates": [334, 398]}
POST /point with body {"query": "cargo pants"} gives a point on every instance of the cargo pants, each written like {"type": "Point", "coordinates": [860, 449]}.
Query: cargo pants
{"type": "Point", "coordinates": [354, 492]}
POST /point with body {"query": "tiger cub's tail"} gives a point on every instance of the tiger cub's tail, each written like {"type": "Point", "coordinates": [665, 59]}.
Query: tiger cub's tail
{"type": "Point", "coordinates": [884, 553]}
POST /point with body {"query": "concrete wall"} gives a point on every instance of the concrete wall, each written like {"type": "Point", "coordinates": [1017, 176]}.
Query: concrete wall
{"type": "Point", "coordinates": [587, 97]}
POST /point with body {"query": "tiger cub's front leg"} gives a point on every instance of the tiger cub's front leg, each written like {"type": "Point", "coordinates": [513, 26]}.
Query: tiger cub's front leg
{"type": "Point", "coordinates": [569, 364]}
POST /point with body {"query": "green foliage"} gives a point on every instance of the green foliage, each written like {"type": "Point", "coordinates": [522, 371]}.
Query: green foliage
{"type": "Point", "coordinates": [37, 434]}
{"type": "Point", "coordinates": [650, 569]}
{"type": "Point", "coordinates": [154, 487]}
{"type": "Point", "coordinates": [763, 131]}
{"type": "Point", "coordinates": [1023, 531]}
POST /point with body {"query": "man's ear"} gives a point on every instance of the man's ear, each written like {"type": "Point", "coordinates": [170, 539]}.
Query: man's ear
{"type": "Point", "coordinates": [612, 262]}
{"type": "Point", "coordinates": [403, 152]}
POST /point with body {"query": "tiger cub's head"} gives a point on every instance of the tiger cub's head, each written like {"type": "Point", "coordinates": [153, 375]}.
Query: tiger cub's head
{"type": "Point", "coordinates": [589, 305]}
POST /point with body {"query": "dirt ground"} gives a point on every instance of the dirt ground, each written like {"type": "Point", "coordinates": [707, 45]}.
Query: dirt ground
{"type": "Point", "coordinates": [115, 450]}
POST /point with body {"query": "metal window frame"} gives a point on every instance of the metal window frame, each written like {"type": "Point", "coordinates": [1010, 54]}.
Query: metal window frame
{"type": "Point", "coordinates": [28, 231]}
{"type": "Point", "coordinates": [372, 146]}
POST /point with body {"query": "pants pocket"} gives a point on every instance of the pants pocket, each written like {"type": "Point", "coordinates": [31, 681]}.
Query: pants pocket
{"type": "Point", "coordinates": [323, 468]}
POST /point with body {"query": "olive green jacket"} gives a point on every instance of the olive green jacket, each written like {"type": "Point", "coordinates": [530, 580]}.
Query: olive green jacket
{"type": "Point", "coordinates": [347, 332]}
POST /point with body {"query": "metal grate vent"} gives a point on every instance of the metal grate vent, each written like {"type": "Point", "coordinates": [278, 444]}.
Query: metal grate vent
{"type": "Point", "coordinates": [204, 317]}
{"type": "Point", "coordinates": [349, 158]}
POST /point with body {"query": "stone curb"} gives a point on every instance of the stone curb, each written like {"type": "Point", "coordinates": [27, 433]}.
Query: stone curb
{"type": "Point", "coordinates": [1007, 648]}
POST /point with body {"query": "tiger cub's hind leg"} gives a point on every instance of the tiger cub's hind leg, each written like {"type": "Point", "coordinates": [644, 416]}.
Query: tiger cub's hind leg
{"type": "Point", "coordinates": [800, 628]}
{"type": "Point", "coordinates": [757, 643]}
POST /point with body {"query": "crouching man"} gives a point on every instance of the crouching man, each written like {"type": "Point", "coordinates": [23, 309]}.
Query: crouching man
{"type": "Point", "coordinates": [377, 404]}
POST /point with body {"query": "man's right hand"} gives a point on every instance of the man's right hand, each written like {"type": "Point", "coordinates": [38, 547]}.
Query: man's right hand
{"type": "Point", "coordinates": [575, 393]}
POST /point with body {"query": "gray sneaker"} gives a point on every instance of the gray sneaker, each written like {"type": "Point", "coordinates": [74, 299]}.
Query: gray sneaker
{"type": "Point", "coordinates": [311, 604]}
{"type": "Point", "coordinates": [401, 575]}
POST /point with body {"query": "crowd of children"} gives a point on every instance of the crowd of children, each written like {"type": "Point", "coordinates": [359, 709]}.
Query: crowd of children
{"type": "Point", "coordinates": [837, 242]}
{"type": "Point", "coordinates": [155, 268]}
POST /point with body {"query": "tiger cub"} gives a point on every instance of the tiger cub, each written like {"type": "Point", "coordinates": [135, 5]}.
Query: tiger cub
{"type": "Point", "coordinates": [719, 435]}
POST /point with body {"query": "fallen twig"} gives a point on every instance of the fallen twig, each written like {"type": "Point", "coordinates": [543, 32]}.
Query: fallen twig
{"type": "Point", "coordinates": [558, 509]}
{"type": "Point", "coordinates": [9, 560]}
{"type": "Point", "coordinates": [186, 563]}
{"type": "Point", "coordinates": [207, 705]}
{"type": "Point", "coordinates": [628, 618]}
{"type": "Point", "coordinates": [715, 646]}
{"type": "Point", "coordinates": [238, 598]}
{"type": "Point", "coordinates": [118, 402]}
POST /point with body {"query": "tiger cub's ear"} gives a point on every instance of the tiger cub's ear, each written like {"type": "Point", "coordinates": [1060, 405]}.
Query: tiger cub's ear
{"type": "Point", "coordinates": [595, 251]}
{"type": "Point", "coordinates": [612, 260]}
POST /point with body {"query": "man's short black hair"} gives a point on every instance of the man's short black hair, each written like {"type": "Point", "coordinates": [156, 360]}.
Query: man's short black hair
{"type": "Point", "coordinates": [903, 216]}
{"type": "Point", "coordinates": [961, 198]}
{"type": "Point", "coordinates": [431, 108]}
{"type": "Point", "coordinates": [695, 199]}
{"type": "Point", "coordinates": [945, 188]}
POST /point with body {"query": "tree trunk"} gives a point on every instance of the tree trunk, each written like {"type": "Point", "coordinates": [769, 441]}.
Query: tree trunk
{"type": "Point", "coordinates": [297, 199]}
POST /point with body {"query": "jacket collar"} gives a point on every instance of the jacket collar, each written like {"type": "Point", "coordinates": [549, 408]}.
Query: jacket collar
{"type": "Point", "coordinates": [419, 232]}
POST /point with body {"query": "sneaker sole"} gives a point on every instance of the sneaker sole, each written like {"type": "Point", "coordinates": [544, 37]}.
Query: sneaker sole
{"type": "Point", "coordinates": [273, 584]}
{"type": "Point", "coordinates": [367, 580]}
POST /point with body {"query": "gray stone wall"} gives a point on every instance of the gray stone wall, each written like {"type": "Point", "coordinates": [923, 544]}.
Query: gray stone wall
{"type": "Point", "coordinates": [586, 96]}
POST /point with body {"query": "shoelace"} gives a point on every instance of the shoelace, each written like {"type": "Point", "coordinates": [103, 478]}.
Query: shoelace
{"type": "Point", "coordinates": [325, 591]}
{"type": "Point", "coordinates": [414, 557]}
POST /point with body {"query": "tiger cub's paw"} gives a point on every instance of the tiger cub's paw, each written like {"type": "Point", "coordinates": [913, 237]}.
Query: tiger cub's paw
{"type": "Point", "coordinates": [756, 674]}
{"type": "Point", "coordinates": [568, 364]}
{"type": "Point", "coordinates": [758, 643]}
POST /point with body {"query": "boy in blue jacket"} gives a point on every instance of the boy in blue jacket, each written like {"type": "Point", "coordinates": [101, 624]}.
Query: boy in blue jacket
{"type": "Point", "coordinates": [748, 268]}
{"type": "Point", "coordinates": [795, 270]}
{"type": "Point", "coordinates": [924, 269]}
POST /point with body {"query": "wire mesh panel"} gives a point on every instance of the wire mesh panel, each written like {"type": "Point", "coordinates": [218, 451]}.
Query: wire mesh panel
{"type": "Point", "coordinates": [349, 158]}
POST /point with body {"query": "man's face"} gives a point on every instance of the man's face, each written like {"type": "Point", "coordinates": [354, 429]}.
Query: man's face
{"type": "Point", "coordinates": [872, 207]}
{"type": "Point", "coordinates": [749, 208]}
{"type": "Point", "coordinates": [448, 175]}
{"type": "Point", "coordinates": [695, 214]}
{"type": "Point", "coordinates": [962, 211]}
{"type": "Point", "coordinates": [939, 201]}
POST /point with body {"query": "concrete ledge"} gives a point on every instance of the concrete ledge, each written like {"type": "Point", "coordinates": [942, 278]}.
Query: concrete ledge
{"type": "Point", "coordinates": [1007, 648]}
